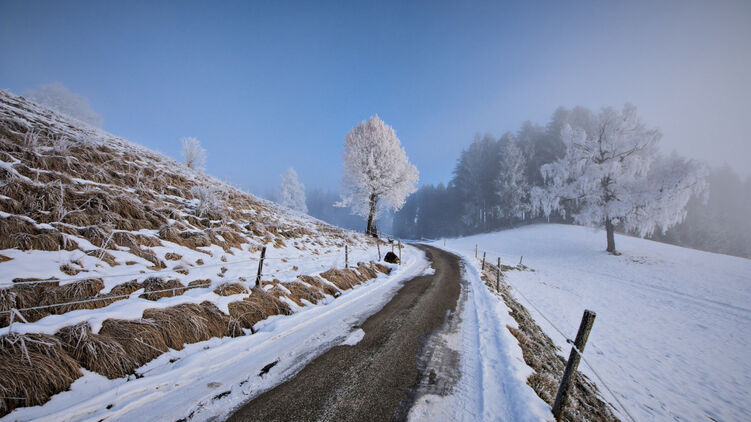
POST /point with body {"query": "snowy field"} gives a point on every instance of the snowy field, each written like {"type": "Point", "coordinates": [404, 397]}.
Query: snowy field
{"type": "Point", "coordinates": [208, 379]}
{"type": "Point", "coordinates": [673, 330]}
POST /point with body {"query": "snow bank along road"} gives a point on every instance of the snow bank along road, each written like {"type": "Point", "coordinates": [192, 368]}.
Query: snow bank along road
{"type": "Point", "coordinates": [368, 380]}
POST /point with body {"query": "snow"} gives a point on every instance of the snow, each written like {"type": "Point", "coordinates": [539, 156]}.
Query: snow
{"type": "Point", "coordinates": [354, 337]}
{"type": "Point", "coordinates": [207, 380]}
{"type": "Point", "coordinates": [672, 333]}
{"type": "Point", "coordinates": [493, 372]}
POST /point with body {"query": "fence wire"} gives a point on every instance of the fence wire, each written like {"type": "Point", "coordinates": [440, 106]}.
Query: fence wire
{"type": "Point", "coordinates": [573, 347]}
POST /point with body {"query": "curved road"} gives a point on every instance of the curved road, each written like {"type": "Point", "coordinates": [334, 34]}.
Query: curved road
{"type": "Point", "coordinates": [371, 380]}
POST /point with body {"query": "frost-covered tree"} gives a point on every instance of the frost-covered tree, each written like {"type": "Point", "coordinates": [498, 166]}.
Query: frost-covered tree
{"type": "Point", "coordinates": [377, 174]}
{"type": "Point", "coordinates": [193, 152]}
{"type": "Point", "coordinates": [57, 97]}
{"type": "Point", "coordinates": [292, 192]}
{"type": "Point", "coordinates": [612, 170]}
{"type": "Point", "coordinates": [512, 181]}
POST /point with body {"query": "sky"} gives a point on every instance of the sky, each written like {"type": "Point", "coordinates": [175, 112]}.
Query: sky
{"type": "Point", "coordinates": [270, 85]}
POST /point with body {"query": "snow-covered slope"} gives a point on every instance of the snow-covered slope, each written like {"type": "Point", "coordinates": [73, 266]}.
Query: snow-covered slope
{"type": "Point", "coordinates": [112, 255]}
{"type": "Point", "coordinates": [673, 325]}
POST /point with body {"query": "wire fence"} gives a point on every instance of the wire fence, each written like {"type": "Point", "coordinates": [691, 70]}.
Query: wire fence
{"type": "Point", "coordinates": [16, 311]}
{"type": "Point", "coordinates": [571, 342]}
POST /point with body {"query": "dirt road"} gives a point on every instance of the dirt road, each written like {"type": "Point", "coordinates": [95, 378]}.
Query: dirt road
{"type": "Point", "coordinates": [372, 380]}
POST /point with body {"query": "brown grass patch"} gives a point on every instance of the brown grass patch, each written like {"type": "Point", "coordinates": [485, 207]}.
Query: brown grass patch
{"type": "Point", "coordinates": [156, 284]}
{"type": "Point", "coordinates": [171, 256]}
{"type": "Point", "coordinates": [141, 339]}
{"type": "Point", "coordinates": [343, 279]}
{"type": "Point", "coordinates": [4, 258]}
{"type": "Point", "coordinates": [299, 291]}
{"type": "Point", "coordinates": [258, 306]}
{"type": "Point", "coordinates": [229, 289]}
{"type": "Point", "coordinates": [96, 352]}
{"type": "Point", "coordinates": [79, 290]}
{"type": "Point", "coordinates": [34, 368]}
{"type": "Point", "coordinates": [200, 283]}
{"type": "Point", "coordinates": [17, 233]}
{"type": "Point", "coordinates": [321, 285]}
{"type": "Point", "coordinates": [189, 323]}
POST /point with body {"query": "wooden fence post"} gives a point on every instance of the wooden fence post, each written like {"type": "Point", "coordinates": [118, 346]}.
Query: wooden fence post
{"type": "Point", "coordinates": [483, 261]}
{"type": "Point", "coordinates": [573, 362]}
{"type": "Point", "coordinates": [260, 266]}
{"type": "Point", "coordinates": [475, 250]}
{"type": "Point", "coordinates": [498, 275]}
{"type": "Point", "coordinates": [346, 256]}
{"type": "Point", "coordinates": [400, 250]}
{"type": "Point", "coordinates": [378, 246]}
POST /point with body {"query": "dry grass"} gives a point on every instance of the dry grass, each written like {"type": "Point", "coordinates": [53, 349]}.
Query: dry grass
{"type": "Point", "coordinates": [229, 289]}
{"type": "Point", "coordinates": [34, 367]}
{"type": "Point", "coordinates": [157, 284]}
{"type": "Point", "coordinates": [541, 354]}
{"type": "Point", "coordinates": [321, 285]}
{"type": "Point", "coordinates": [257, 306]}
{"type": "Point", "coordinates": [299, 292]}
{"type": "Point", "coordinates": [96, 352]}
{"type": "Point", "coordinates": [142, 339]}
{"type": "Point", "coordinates": [343, 279]}
{"type": "Point", "coordinates": [200, 283]}
{"type": "Point", "coordinates": [189, 323]}
{"type": "Point", "coordinates": [80, 290]}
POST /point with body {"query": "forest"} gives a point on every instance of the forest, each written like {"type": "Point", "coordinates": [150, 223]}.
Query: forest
{"type": "Point", "coordinates": [493, 178]}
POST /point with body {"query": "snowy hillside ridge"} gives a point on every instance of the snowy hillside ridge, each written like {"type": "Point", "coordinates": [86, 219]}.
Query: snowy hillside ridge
{"type": "Point", "coordinates": [672, 332]}
{"type": "Point", "coordinates": [112, 254]}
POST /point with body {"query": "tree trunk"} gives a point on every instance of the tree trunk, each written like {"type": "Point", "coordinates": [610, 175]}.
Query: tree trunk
{"type": "Point", "coordinates": [371, 228]}
{"type": "Point", "coordinates": [610, 231]}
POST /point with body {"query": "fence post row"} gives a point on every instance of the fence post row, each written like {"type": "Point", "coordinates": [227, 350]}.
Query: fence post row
{"type": "Point", "coordinates": [573, 362]}
{"type": "Point", "coordinates": [260, 266]}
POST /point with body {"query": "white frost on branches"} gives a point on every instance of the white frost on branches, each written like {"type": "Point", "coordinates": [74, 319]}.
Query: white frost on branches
{"type": "Point", "coordinates": [612, 173]}
{"type": "Point", "coordinates": [209, 204]}
{"type": "Point", "coordinates": [292, 192]}
{"type": "Point", "coordinates": [194, 154]}
{"type": "Point", "coordinates": [59, 98]}
{"type": "Point", "coordinates": [377, 174]}
{"type": "Point", "coordinates": [513, 184]}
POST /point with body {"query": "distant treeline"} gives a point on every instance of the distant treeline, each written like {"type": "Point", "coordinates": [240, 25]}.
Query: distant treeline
{"type": "Point", "coordinates": [492, 179]}
{"type": "Point", "coordinates": [490, 187]}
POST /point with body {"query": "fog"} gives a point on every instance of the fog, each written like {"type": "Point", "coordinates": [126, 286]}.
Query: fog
{"type": "Point", "coordinates": [266, 88]}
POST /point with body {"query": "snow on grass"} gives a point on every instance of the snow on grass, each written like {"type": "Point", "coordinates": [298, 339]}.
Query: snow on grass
{"type": "Point", "coordinates": [673, 329]}
{"type": "Point", "coordinates": [206, 380]}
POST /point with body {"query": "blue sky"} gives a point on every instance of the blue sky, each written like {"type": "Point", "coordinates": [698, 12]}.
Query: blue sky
{"type": "Point", "coordinates": [271, 85]}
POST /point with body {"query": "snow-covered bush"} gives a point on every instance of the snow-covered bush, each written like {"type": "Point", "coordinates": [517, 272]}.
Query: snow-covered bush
{"type": "Point", "coordinates": [209, 203]}
{"type": "Point", "coordinates": [194, 154]}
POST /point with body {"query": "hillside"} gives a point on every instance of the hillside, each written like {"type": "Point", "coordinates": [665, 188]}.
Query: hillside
{"type": "Point", "coordinates": [672, 332]}
{"type": "Point", "coordinates": [112, 255]}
